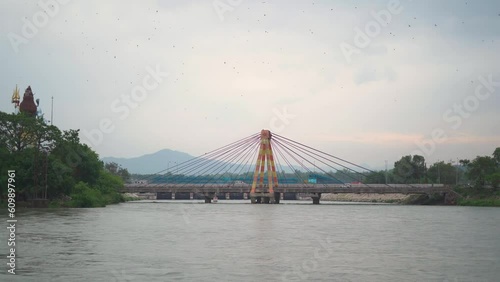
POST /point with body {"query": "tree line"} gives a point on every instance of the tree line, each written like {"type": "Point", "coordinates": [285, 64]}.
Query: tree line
{"type": "Point", "coordinates": [480, 172]}
{"type": "Point", "coordinates": [53, 164]}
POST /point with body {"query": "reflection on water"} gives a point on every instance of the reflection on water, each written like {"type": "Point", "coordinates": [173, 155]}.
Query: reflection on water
{"type": "Point", "coordinates": [237, 241]}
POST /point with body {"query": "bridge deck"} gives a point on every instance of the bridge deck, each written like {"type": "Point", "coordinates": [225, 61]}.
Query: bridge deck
{"type": "Point", "coordinates": [290, 188]}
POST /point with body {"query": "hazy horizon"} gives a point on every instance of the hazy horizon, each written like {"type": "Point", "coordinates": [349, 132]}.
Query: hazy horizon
{"type": "Point", "coordinates": [367, 81]}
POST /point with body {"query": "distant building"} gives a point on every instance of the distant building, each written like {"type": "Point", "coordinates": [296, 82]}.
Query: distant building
{"type": "Point", "coordinates": [322, 179]}
{"type": "Point", "coordinates": [28, 105]}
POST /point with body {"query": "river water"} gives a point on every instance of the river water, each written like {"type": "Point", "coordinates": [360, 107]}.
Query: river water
{"type": "Point", "coordinates": [237, 241]}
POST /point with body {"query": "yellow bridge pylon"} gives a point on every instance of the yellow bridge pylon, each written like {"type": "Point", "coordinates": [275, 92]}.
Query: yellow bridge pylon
{"type": "Point", "coordinates": [258, 193]}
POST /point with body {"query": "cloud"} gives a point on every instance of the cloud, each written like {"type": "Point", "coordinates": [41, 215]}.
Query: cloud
{"type": "Point", "coordinates": [226, 77]}
{"type": "Point", "coordinates": [379, 138]}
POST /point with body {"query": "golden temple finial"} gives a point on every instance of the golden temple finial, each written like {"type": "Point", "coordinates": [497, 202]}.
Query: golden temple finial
{"type": "Point", "coordinates": [15, 97]}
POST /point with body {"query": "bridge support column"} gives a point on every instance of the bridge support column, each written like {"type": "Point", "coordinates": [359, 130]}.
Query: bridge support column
{"type": "Point", "coordinates": [316, 198]}
{"type": "Point", "coordinates": [264, 198]}
{"type": "Point", "coordinates": [209, 197]}
{"type": "Point", "coordinates": [277, 197]}
{"type": "Point", "coordinates": [261, 193]}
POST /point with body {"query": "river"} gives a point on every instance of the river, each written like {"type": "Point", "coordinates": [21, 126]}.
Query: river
{"type": "Point", "coordinates": [237, 241]}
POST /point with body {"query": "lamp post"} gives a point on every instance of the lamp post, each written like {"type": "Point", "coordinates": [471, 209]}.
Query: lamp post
{"type": "Point", "coordinates": [52, 112]}
{"type": "Point", "coordinates": [439, 173]}
{"type": "Point", "coordinates": [385, 171]}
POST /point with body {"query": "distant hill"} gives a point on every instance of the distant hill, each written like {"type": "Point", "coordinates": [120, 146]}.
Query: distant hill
{"type": "Point", "coordinates": [151, 163]}
{"type": "Point", "coordinates": [163, 159]}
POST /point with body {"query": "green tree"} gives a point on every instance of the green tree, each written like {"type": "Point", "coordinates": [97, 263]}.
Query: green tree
{"type": "Point", "coordinates": [441, 172]}
{"type": "Point", "coordinates": [494, 179]}
{"type": "Point", "coordinates": [42, 157]}
{"type": "Point", "coordinates": [410, 169]}
{"type": "Point", "coordinates": [375, 177]}
{"type": "Point", "coordinates": [480, 168]}
{"type": "Point", "coordinates": [84, 163]}
{"type": "Point", "coordinates": [21, 131]}
{"type": "Point", "coordinates": [60, 177]}
{"type": "Point", "coordinates": [85, 196]}
{"type": "Point", "coordinates": [464, 162]}
{"type": "Point", "coordinates": [116, 169]}
{"type": "Point", "coordinates": [26, 143]}
{"type": "Point", "coordinates": [496, 156]}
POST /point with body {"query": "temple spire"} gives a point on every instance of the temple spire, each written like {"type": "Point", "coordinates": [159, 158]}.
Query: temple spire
{"type": "Point", "coordinates": [16, 98]}
{"type": "Point", "coordinates": [28, 104]}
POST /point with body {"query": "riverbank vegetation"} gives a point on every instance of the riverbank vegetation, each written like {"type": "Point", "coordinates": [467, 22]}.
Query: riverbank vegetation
{"type": "Point", "coordinates": [474, 196]}
{"type": "Point", "coordinates": [53, 165]}
{"type": "Point", "coordinates": [476, 181]}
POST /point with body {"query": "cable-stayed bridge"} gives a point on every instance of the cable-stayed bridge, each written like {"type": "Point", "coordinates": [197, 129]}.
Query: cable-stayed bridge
{"type": "Point", "coordinates": [266, 168]}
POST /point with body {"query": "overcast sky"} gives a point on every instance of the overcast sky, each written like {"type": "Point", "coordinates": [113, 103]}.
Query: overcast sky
{"type": "Point", "coordinates": [367, 81]}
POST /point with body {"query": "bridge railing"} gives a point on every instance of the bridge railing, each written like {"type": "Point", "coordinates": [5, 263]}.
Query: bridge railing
{"type": "Point", "coordinates": [292, 188]}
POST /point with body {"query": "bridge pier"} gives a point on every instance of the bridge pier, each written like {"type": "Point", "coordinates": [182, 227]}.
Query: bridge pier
{"type": "Point", "coordinates": [265, 198]}
{"type": "Point", "coordinates": [277, 197]}
{"type": "Point", "coordinates": [315, 197]}
{"type": "Point", "coordinates": [209, 197]}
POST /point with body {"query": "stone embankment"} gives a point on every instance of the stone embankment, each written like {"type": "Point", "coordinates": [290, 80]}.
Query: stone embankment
{"type": "Point", "coordinates": [135, 197]}
{"type": "Point", "coordinates": [373, 198]}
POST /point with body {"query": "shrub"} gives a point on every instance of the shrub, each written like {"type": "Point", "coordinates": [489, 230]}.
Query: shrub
{"type": "Point", "coordinates": [86, 197]}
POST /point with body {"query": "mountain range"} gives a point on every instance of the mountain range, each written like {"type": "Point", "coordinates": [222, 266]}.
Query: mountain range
{"type": "Point", "coordinates": [151, 163]}
{"type": "Point", "coordinates": [166, 158]}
